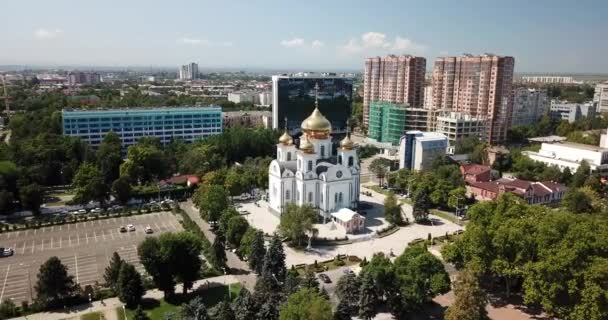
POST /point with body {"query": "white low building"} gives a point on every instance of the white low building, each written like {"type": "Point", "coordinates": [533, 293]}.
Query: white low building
{"type": "Point", "coordinates": [311, 174]}
{"type": "Point", "coordinates": [570, 155]}
{"type": "Point", "coordinates": [351, 221]}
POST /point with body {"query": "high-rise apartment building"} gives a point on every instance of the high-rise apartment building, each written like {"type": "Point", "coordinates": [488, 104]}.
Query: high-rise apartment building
{"type": "Point", "coordinates": [83, 78]}
{"type": "Point", "coordinates": [479, 86]}
{"type": "Point", "coordinates": [386, 121]}
{"type": "Point", "coordinates": [188, 71]}
{"type": "Point", "coordinates": [529, 106]}
{"type": "Point", "coordinates": [397, 79]}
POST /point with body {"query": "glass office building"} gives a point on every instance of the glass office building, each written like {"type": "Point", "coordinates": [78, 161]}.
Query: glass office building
{"type": "Point", "coordinates": [293, 97]}
{"type": "Point", "coordinates": [165, 123]}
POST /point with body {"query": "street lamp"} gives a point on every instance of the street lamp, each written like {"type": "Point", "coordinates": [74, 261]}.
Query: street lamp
{"type": "Point", "coordinates": [124, 309]}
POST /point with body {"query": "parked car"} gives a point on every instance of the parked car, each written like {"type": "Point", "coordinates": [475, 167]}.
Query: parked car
{"type": "Point", "coordinates": [148, 230]}
{"type": "Point", "coordinates": [82, 211]}
{"type": "Point", "coordinates": [325, 278]}
{"type": "Point", "coordinates": [348, 271]}
{"type": "Point", "coordinates": [6, 252]}
{"type": "Point", "coordinates": [131, 227]}
{"type": "Point", "coordinates": [97, 210]}
{"type": "Point", "coordinates": [122, 229]}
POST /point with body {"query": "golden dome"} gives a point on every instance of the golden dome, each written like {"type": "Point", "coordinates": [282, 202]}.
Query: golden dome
{"type": "Point", "coordinates": [316, 122]}
{"type": "Point", "coordinates": [306, 145]}
{"type": "Point", "coordinates": [347, 143]}
{"type": "Point", "coordinates": [286, 139]}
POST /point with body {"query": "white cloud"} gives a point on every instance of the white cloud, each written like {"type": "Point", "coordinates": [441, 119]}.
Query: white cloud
{"type": "Point", "coordinates": [43, 33]}
{"type": "Point", "coordinates": [203, 42]}
{"type": "Point", "coordinates": [379, 43]}
{"type": "Point", "coordinates": [317, 44]}
{"type": "Point", "coordinates": [293, 43]}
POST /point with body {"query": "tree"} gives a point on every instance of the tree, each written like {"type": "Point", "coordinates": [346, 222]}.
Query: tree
{"type": "Point", "coordinates": [392, 210]}
{"type": "Point", "coordinates": [258, 251]}
{"type": "Point", "coordinates": [566, 177]}
{"type": "Point", "coordinates": [222, 311]}
{"type": "Point", "coordinates": [380, 167]}
{"type": "Point", "coordinates": [310, 281]}
{"type": "Point", "coordinates": [246, 243]}
{"type": "Point", "coordinates": [112, 272]}
{"type": "Point", "coordinates": [6, 202]}
{"type": "Point", "coordinates": [383, 275]}
{"type": "Point", "coordinates": [156, 265]}
{"type": "Point", "coordinates": [306, 304]}
{"type": "Point", "coordinates": [109, 157]}
{"type": "Point", "coordinates": [292, 282]}
{"type": "Point", "coordinates": [182, 253]}
{"type": "Point", "coordinates": [274, 260]}
{"type": "Point", "coordinates": [421, 276]}
{"type": "Point", "coordinates": [213, 202]}
{"type": "Point", "coordinates": [89, 185]}
{"type": "Point", "coordinates": [470, 300]}
{"type": "Point", "coordinates": [343, 311]}
{"type": "Point", "coordinates": [195, 310]}
{"type": "Point", "coordinates": [53, 282]}
{"type": "Point", "coordinates": [218, 253]}
{"type": "Point", "coordinates": [140, 314]}
{"type": "Point", "coordinates": [8, 309]}
{"type": "Point", "coordinates": [368, 297]}
{"type": "Point", "coordinates": [237, 226]}
{"type": "Point", "coordinates": [296, 221]}
{"type": "Point", "coordinates": [130, 286]}
{"type": "Point", "coordinates": [145, 162]}
{"type": "Point", "coordinates": [456, 197]}
{"type": "Point", "coordinates": [121, 190]}
{"type": "Point", "coordinates": [31, 197]}
{"type": "Point", "coordinates": [420, 209]}
{"type": "Point", "coordinates": [577, 201]}
{"type": "Point", "coordinates": [244, 306]}
{"type": "Point", "coordinates": [581, 174]}
{"type": "Point", "coordinates": [347, 290]}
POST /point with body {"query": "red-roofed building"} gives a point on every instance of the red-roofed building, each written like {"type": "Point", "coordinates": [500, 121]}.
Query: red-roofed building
{"type": "Point", "coordinates": [184, 179]}
{"type": "Point", "coordinates": [475, 173]}
{"type": "Point", "coordinates": [544, 192]}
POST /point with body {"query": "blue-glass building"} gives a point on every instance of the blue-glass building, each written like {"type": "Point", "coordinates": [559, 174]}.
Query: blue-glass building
{"type": "Point", "coordinates": [165, 123]}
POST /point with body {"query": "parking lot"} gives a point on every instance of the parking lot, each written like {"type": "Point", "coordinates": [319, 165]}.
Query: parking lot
{"type": "Point", "coordinates": [84, 247]}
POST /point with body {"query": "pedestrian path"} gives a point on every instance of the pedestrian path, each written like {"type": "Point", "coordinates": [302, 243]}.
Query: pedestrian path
{"type": "Point", "coordinates": [109, 306]}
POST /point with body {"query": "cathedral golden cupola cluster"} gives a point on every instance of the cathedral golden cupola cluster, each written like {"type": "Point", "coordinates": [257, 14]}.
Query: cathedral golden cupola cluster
{"type": "Point", "coordinates": [316, 126]}
{"type": "Point", "coordinates": [286, 139]}
{"type": "Point", "coordinates": [305, 145]}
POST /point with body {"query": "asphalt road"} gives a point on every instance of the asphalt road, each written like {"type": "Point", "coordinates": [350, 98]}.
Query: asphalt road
{"type": "Point", "coordinates": [84, 247]}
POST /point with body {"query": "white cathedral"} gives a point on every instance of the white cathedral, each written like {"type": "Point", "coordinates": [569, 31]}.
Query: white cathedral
{"type": "Point", "coordinates": [311, 174]}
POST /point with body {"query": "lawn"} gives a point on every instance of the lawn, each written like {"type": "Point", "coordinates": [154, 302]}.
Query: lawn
{"type": "Point", "coordinates": [156, 310]}
{"type": "Point", "coordinates": [93, 316]}
{"type": "Point", "coordinates": [446, 216]}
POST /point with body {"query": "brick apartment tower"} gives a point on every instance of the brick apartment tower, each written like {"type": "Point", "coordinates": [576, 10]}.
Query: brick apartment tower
{"type": "Point", "coordinates": [479, 86]}
{"type": "Point", "coordinates": [397, 79]}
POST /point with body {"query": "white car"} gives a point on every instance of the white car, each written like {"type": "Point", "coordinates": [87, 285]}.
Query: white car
{"type": "Point", "coordinates": [148, 230]}
{"type": "Point", "coordinates": [131, 227]}
{"type": "Point", "coordinates": [82, 211]}
{"type": "Point", "coordinates": [96, 210]}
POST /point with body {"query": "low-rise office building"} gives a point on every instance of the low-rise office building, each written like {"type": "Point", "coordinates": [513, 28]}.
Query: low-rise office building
{"type": "Point", "coordinates": [165, 123]}
{"type": "Point", "coordinates": [458, 125]}
{"type": "Point", "coordinates": [571, 111]}
{"type": "Point", "coordinates": [418, 150]}
{"type": "Point", "coordinates": [570, 155]}
{"type": "Point", "coordinates": [600, 97]}
{"type": "Point", "coordinates": [250, 119]}
{"type": "Point", "coordinates": [243, 96]}
{"type": "Point", "coordinates": [545, 192]}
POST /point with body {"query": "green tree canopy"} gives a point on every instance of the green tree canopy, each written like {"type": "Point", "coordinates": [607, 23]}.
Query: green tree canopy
{"type": "Point", "coordinates": [130, 286]}
{"type": "Point", "coordinates": [296, 221]}
{"type": "Point", "coordinates": [89, 185]}
{"type": "Point", "coordinates": [54, 283]}
{"type": "Point", "coordinates": [306, 304]}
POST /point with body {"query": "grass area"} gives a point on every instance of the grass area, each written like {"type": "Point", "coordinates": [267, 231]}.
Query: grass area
{"type": "Point", "coordinates": [93, 316]}
{"type": "Point", "coordinates": [446, 216]}
{"type": "Point", "coordinates": [156, 309]}
{"type": "Point", "coordinates": [386, 192]}
{"type": "Point", "coordinates": [329, 265]}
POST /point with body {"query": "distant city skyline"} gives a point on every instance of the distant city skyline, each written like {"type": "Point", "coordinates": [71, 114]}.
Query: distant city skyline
{"type": "Point", "coordinates": [310, 35]}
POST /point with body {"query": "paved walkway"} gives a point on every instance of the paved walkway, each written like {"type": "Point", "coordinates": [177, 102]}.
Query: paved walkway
{"type": "Point", "coordinates": [239, 268]}
{"type": "Point", "coordinates": [108, 307]}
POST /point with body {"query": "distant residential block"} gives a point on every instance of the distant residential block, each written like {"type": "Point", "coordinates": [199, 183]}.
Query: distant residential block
{"type": "Point", "coordinates": [165, 123]}
{"type": "Point", "coordinates": [529, 106]}
{"type": "Point", "coordinates": [571, 111]}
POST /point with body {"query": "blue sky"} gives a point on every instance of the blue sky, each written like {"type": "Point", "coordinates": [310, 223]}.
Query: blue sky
{"type": "Point", "coordinates": [542, 35]}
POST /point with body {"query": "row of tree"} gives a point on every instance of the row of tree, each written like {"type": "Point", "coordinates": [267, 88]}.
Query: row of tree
{"type": "Point", "coordinates": [555, 259]}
